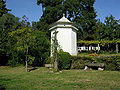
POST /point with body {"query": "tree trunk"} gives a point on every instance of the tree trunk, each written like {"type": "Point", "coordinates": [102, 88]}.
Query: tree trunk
{"type": "Point", "coordinates": [98, 48]}
{"type": "Point", "coordinates": [55, 52]}
{"type": "Point", "coordinates": [26, 66]}
{"type": "Point", "coordinates": [116, 47]}
{"type": "Point", "coordinates": [26, 62]}
{"type": "Point", "coordinates": [56, 63]}
{"type": "Point", "coordinates": [56, 66]}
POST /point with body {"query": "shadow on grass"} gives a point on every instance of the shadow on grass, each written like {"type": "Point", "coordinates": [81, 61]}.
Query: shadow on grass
{"type": "Point", "coordinates": [5, 80]}
{"type": "Point", "coordinates": [2, 87]}
{"type": "Point", "coordinates": [31, 69]}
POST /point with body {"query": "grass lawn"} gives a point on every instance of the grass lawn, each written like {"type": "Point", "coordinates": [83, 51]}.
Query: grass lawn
{"type": "Point", "coordinates": [43, 79]}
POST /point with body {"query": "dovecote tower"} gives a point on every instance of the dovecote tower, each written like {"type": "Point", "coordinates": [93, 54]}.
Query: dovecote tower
{"type": "Point", "coordinates": [66, 36]}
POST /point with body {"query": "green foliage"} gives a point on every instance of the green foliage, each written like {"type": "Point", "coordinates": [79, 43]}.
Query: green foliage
{"type": "Point", "coordinates": [16, 36]}
{"type": "Point", "coordinates": [24, 41]}
{"type": "Point", "coordinates": [80, 12]}
{"type": "Point", "coordinates": [83, 14]}
{"type": "Point", "coordinates": [33, 44]}
{"type": "Point", "coordinates": [3, 9]}
{"type": "Point", "coordinates": [102, 42]}
{"type": "Point", "coordinates": [49, 60]}
{"type": "Point", "coordinates": [99, 30]}
{"type": "Point", "coordinates": [109, 30]}
{"type": "Point", "coordinates": [112, 28]}
{"type": "Point", "coordinates": [111, 62]}
{"type": "Point", "coordinates": [14, 59]}
{"type": "Point", "coordinates": [30, 59]}
{"type": "Point", "coordinates": [64, 60]}
{"type": "Point", "coordinates": [8, 23]}
{"type": "Point", "coordinates": [79, 62]}
{"type": "Point", "coordinates": [24, 38]}
{"type": "Point", "coordinates": [41, 48]}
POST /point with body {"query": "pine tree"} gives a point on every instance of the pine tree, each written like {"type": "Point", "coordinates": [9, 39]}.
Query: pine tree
{"type": "Point", "coordinates": [80, 12]}
{"type": "Point", "coordinates": [3, 9]}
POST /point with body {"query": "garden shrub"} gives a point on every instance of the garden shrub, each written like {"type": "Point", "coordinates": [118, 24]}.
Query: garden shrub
{"type": "Point", "coordinates": [49, 60]}
{"type": "Point", "coordinates": [111, 62]}
{"type": "Point", "coordinates": [64, 60]}
{"type": "Point", "coordinates": [79, 62]}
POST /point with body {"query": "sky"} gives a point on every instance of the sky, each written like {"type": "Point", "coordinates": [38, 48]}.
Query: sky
{"type": "Point", "coordinates": [33, 11]}
{"type": "Point", "coordinates": [106, 8]}
{"type": "Point", "coordinates": [29, 8]}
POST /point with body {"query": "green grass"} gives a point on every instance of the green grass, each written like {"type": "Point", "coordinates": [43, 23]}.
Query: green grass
{"type": "Point", "coordinates": [44, 79]}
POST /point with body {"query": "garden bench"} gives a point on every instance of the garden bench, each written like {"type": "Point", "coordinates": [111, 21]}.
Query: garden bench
{"type": "Point", "coordinates": [94, 66]}
{"type": "Point", "coordinates": [49, 65]}
{"type": "Point", "coordinates": [30, 68]}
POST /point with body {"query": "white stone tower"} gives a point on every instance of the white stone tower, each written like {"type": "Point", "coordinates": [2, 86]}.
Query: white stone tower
{"type": "Point", "coordinates": [66, 36]}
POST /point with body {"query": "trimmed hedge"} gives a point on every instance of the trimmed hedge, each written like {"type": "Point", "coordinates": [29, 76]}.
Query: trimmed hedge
{"type": "Point", "coordinates": [64, 60]}
{"type": "Point", "coordinates": [111, 62]}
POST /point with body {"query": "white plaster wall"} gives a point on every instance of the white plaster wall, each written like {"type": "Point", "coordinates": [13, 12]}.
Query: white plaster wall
{"type": "Point", "coordinates": [64, 39]}
{"type": "Point", "coordinates": [67, 40]}
{"type": "Point", "coordinates": [74, 42]}
{"type": "Point", "coordinates": [51, 53]}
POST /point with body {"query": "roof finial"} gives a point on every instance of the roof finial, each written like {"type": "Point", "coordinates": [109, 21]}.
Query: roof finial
{"type": "Point", "coordinates": [63, 15]}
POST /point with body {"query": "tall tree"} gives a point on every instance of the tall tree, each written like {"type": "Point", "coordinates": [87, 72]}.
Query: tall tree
{"type": "Point", "coordinates": [52, 11]}
{"type": "Point", "coordinates": [112, 30]}
{"type": "Point", "coordinates": [83, 14]}
{"type": "Point", "coordinates": [33, 44]}
{"type": "Point", "coordinates": [79, 11]}
{"type": "Point", "coordinates": [41, 48]}
{"type": "Point", "coordinates": [99, 30]}
{"type": "Point", "coordinates": [24, 41]}
{"type": "Point", "coordinates": [3, 9]}
{"type": "Point", "coordinates": [8, 23]}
